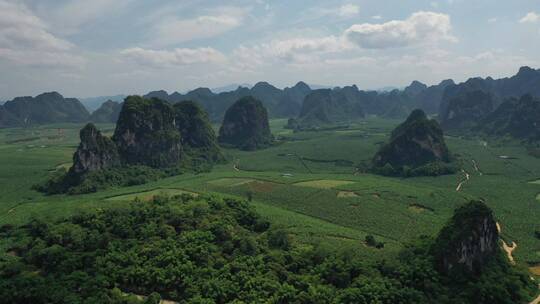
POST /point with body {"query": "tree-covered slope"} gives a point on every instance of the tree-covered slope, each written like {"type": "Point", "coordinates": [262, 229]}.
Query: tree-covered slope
{"type": "Point", "coordinates": [210, 250]}
{"type": "Point", "coordinates": [246, 126]}
{"type": "Point", "coordinates": [416, 147]}
{"type": "Point", "coordinates": [145, 133]}
{"type": "Point", "coordinates": [42, 109]}
{"type": "Point", "coordinates": [197, 135]}
{"type": "Point", "coordinates": [152, 139]}
{"type": "Point", "coordinates": [326, 106]}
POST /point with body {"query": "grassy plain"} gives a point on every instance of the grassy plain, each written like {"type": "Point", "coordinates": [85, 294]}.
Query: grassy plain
{"type": "Point", "coordinates": [307, 183]}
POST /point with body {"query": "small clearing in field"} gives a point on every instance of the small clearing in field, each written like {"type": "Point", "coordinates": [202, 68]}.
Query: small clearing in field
{"type": "Point", "coordinates": [261, 186]}
{"type": "Point", "coordinates": [416, 209]}
{"type": "Point", "coordinates": [346, 194]}
{"type": "Point", "coordinates": [64, 165]}
{"type": "Point", "coordinates": [535, 270]}
{"type": "Point", "coordinates": [149, 195]}
{"type": "Point", "coordinates": [323, 183]}
{"type": "Point", "coordinates": [230, 181]}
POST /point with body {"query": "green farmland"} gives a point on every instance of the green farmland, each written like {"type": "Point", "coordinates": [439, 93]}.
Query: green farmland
{"type": "Point", "coordinates": [306, 183]}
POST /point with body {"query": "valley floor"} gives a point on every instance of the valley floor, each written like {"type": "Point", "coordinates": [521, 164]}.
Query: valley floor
{"type": "Point", "coordinates": [306, 183]}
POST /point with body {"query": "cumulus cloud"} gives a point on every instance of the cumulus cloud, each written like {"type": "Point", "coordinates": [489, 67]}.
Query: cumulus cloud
{"type": "Point", "coordinates": [26, 40]}
{"type": "Point", "coordinates": [175, 57]}
{"type": "Point", "coordinates": [72, 15]}
{"type": "Point", "coordinates": [420, 27]}
{"type": "Point", "coordinates": [344, 11]}
{"type": "Point", "coordinates": [289, 51]}
{"type": "Point", "coordinates": [531, 17]}
{"type": "Point", "coordinates": [348, 10]}
{"type": "Point", "coordinates": [172, 30]}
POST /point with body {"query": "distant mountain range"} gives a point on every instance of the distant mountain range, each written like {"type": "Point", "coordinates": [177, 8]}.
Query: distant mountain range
{"type": "Point", "coordinates": [280, 103]}
{"type": "Point", "coordinates": [93, 103]}
{"type": "Point", "coordinates": [457, 105]}
{"type": "Point", "coordinates": [484, 95]}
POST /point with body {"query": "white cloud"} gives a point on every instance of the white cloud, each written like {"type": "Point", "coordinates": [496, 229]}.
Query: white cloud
{"type": "Point", "coordinates": [348, 10]}
{"type": "Point", "coordinates": [171, 58]}
{"type": "Point", "coordinates": [344, 11]}
{"type": "Point", "coordinates": [75, 13]}
{"type": "Point", "coordinates": [26, 40]}
{"type": "Point", "coordinates": [173, 30]}
{"type": "Point", "coordinates": [531, 17]}
{"type": "Point", "coordinates": [376, 17]}
{"type": "Point", "coordinates": [492, 20]}
{"type": "Point", "coordinates": [289, 51]}
{"type": "Point", "coordinates": [420, 27]}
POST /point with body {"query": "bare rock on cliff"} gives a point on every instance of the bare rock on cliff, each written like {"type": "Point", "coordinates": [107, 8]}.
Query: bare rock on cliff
{"type": "Point", "coordinates": [468, 241]}
{"type": "Point", "coordinates": [95, 152]}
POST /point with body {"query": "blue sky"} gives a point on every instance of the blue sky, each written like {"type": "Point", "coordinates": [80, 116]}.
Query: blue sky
{"type": "Point", "coordinates": [104, 47]}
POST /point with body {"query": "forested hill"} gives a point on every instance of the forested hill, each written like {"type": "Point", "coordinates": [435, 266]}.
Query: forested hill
{"type": "Point", "coordinates": [43, 109]}
{"type": "Point", "coordinates": [210, 250]}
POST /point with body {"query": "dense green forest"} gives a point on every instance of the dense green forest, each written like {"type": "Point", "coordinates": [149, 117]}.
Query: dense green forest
{"type": "Point", "coordinates": [212, 250]}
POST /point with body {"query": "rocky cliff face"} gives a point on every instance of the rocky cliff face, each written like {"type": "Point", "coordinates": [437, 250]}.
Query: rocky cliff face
{"type": "Point", "coordinates": [468, 241]}
{"type": "Point", "coordinates": [246, 126]}
{"type": "Point", "coordinates": [416, 142]}
{"type": "Point", "coordinates": [197, 136]}
{"type": "Point", "coordinates": [146, 133]}
{"type": "Point", "coordinates": [95, 152]}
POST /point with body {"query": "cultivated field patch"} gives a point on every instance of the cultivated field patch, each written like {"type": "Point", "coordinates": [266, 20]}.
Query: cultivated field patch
{"type": "Point", "coordinates": [324, 183]}
{"type": "Point", "coordinates": [149, 195]}
{"type": "Point", "coordinates": [417, 208]}
{"type": "Point", "coordinates": [230, 181]}
{"type": "Point", "coordinates": [261, 186]}
{"type": "Point", "coordinates": [346, 194]}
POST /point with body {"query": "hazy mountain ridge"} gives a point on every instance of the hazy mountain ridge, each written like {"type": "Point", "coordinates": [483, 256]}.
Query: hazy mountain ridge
{"type": "Point", "coordinates": [526, 81]}
{"type": "Point", "coordinates": [93, 103]}
{"type": "Point", "coordinates": [519, 118]}
{"type": "Point", "coordinates": [43, 109]}
{"type": "Point", "coordinates": [108, 112]}
{"type": "Point", "coordinates": [280, 103]}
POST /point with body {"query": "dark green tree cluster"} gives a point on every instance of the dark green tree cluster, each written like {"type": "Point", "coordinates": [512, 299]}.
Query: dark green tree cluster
{"type": "Point", "coordinates": [146, 134]}
{"type": "Point", "coordinates": [209, 250]}
{"type": "Point", "coordinates": [416, 148]}
{"type": "Point", "coordinates": [246, 125]}
{"type": "Point", "coordinates": [197, 135]}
